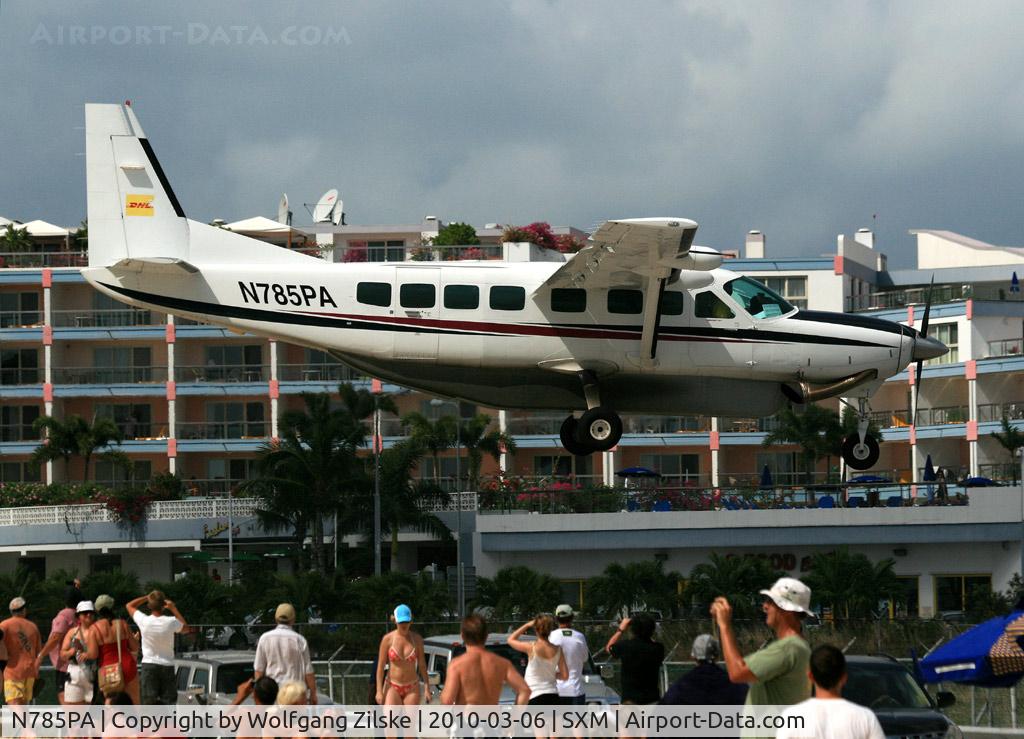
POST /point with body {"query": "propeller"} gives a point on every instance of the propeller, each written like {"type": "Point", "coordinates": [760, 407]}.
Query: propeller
{"type": "Point", "coordinates": [921, 356]}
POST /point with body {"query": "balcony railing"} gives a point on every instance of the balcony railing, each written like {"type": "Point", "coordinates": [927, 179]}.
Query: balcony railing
{"type": "Point", "coordinates": [21, 376]}
{"type": "Point", "coordinates": [890, 419]}
{"type": "Point", "coordinates": [224, 430]}
{"type": "Point", "coordinates": [888, 299]}
{"type": "Point", "coordinates": [108, 375]}
{"type": "Point", "coordinates": [1005, 348]}
{"type": "Point", "coordinates": [353, 253]}
{"type": "Point", "coordinates": [106, 318]}
{"type": "Point", "coordinates": [1012, 410]}
{"type": "Point", "coordinates": [44, 259]}
{"type": "Point", "coordinates": [214, 486]}
{"type": "Point", "coordinates": [942, 415]}
{"type": "Point", "coordinates": [316, 373]}
{"type": "Point", "coordinates": [164, 510]}
{"type": "Point", "coordinates": [221, 373]}
{"type": "Point", "coordinates": [20, 318]}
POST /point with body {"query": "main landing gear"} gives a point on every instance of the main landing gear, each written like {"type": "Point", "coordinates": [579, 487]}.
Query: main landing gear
{"type": "Point", "coordinates": [597, 430]}
{"type": "Point", "coordinates": [861, 451]}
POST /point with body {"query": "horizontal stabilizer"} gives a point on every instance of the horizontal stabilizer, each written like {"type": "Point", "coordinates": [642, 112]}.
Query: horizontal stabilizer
{"type": "Point", "coordinates": [153, 266]}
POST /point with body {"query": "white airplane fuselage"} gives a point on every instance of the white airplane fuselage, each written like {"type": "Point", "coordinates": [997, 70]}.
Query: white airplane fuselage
{"type": "Point", "coordinates": [524, 357]}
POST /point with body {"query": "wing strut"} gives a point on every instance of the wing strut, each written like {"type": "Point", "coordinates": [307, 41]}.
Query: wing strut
{"type": "Point", "coordinates": [652, 321]}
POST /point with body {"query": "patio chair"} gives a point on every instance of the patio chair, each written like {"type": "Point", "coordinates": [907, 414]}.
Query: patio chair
{"type": "Point", "coordinates": [894, 501]}
{"type": "Point", "coordinates": [855, 501]}
{"type": "Point", "coordinates": [826, 501]}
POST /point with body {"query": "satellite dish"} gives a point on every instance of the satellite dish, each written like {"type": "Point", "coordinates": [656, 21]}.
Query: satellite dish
{"type": "Point", "coordinates": [338, 215]}
{"type": "Point", "coordinates": [325, 206]}
{"type": "Point", "coordinates": [283, 214]}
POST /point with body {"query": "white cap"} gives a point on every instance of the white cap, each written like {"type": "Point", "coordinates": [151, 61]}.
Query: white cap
{"type": "Point", "coordinates": [85, 606]}
{"type": "Point", "coordinates": [790, 594]}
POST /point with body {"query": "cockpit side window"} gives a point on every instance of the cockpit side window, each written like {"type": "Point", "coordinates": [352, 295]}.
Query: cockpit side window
{"type": "Point", "coordinates": [709, 305]}
{"type": "Point", "coordinates": [756, 299]}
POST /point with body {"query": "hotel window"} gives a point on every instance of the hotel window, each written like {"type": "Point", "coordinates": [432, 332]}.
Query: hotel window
{"type": "Point", "coordinates": [18, 472]}
{"type": "Point", "coordinates": [562, 465]}
{"type": "Point", "coordinates": [681, 466]}
{"type": "Point", "coordinates": [19, 309]}
{"type": "Point", "coordinates": [122, 364]}
{"type": "Point", "coordinates": [793, 289]}
{"type": "Point", "coordinates": [112, 474]}
{"type": "Point", "coordinates": [906, 604]}
{"type": "Point", "coordinates": [947, 334]}
{"type": "Point", "coordinates": [132, 419]}
{"type": "Point", "coordinates": [956, 592]}
{"type": "Point", "coordinates": [385, 251]}
{"type": "Point", "coordinates": [16, 423]}
{"type": "Point", "coordinates": [234, 363]}
{"type": "Point", "coordinates": [235, 420]}
{"type": "Point", "coordinates": [19, 367]}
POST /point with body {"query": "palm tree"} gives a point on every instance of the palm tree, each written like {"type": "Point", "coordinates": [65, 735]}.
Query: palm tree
{"type": "Point", "coordinates": [478, 440]}
{"type": "Point", "coordinates": [16, 239]}
{"type": "Point", "coordinates": [404, 500]}
{"type": "Point", "coordinates": [310, 472]}
{"type": "Point", "coordinates": [518, 592]}
{"type": "Point", "coordinates": [432, 436]}
{"type": "Point", "coordinates": [76, 436]}
{"type": "Point", "coordinates": [1011, 439]}
{"type": "Point", "coordinates": [623, 588]}
{"type": "Point", "coordinates": [82, 235]}
{"type": "Point", "coordinates": [851, 584]}
{"type": "Point", "coordinates": [738, 579]}
{"type": "Point", "coordinates": [814, 429]}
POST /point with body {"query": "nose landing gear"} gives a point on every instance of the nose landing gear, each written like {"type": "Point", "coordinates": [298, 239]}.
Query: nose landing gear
{"type": "Point", "coordinates": [861, 451]}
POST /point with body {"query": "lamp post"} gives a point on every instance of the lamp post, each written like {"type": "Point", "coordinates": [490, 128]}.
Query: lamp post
{"type": "Point", "coordinates": [376, 479]}
{"type": "Point", "coordinates": [460, 588]}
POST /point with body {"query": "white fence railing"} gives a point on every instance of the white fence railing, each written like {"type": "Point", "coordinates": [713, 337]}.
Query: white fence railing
{"type": "Point", "coordinates": [164, 510]}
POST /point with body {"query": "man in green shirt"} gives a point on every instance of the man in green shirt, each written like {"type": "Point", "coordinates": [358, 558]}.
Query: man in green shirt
{"type": "Point", "coordinates": [777, 674]}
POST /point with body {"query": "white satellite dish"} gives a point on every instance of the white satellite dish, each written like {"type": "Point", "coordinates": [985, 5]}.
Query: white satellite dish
{"type": "Point", "coordinates": [338, 216]}
{"type": "Point", "coordinates": [283, 214]}
{"type": "Point", "coordinates": [325, 206]}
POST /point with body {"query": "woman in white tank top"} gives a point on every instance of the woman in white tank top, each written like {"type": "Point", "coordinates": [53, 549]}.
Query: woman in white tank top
{"type": "Point", "coordinates": [547, 663]}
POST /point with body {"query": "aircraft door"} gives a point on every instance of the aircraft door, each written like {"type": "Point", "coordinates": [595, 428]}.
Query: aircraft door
{"type": "Point", "coordinates": [417, 309]}
{"type": "Point", "coordinates": [720, 343]}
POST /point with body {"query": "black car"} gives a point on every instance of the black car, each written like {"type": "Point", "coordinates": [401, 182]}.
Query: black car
{"type": "Point", "coordinates": [901, 704]}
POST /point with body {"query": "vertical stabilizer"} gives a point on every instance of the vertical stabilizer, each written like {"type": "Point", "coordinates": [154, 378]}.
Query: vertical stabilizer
{"type": "Point", "coordinates": [133, 212]}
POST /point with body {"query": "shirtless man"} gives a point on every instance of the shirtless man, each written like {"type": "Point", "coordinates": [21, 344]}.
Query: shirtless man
{"type": "Point", "coordinates": [21, 637]}
{"type": "Point", "coordinates": [476, 677]}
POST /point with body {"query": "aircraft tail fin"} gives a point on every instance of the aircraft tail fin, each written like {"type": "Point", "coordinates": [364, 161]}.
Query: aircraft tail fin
{"type": "Point", "coordinates": [133, 212]}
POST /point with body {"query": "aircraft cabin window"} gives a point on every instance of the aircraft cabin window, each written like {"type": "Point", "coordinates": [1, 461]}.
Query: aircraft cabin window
{"type": "Point", "coordinates": [374, 293]}
{"type": "Point", "coordinates": [508, 298]}
{"type": "Point", "coordinates": [709, 305]}
{"type": "Point", "coordinates": [758, 300]}
{"type": "Point", "coordinates": [417, 295]}
{"type": "Point", "coordinates": [461, 297]}
{"type": "Point", "coordinates": [671, 303]}
{"type": "Point", "coordinates": [625, 301]}
{"type": "Point", "coordinates": [568, 300]}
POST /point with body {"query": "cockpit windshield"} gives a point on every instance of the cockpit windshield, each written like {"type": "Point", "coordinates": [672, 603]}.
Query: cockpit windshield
{"type": "Point", "coordinates": [756, 299]}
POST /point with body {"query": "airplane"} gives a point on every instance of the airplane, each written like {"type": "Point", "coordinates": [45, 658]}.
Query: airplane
{"type": "Point", "coordinates": [640, 320]}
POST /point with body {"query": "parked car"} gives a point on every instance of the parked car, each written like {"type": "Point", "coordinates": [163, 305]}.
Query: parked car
{"type": "Point", "coordinates": [441, 650]}
{"type": "Point", "coordinates": [239, 636]}
{"type": "Point", "coordinates": [212, 678]}
{"type": "Point", "coordinates": [903, 707]}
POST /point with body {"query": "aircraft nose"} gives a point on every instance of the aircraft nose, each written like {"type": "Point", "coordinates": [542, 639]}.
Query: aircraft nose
{"type": "Point", "coordinates": [925, 348]}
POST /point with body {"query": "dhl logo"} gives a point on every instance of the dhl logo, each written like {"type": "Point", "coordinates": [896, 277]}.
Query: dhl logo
{"type": "Point", "coordinates": [138, 205]}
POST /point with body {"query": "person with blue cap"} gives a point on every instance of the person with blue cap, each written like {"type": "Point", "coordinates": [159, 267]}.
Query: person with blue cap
{"type": "Point", "coordinates": [402, 651]}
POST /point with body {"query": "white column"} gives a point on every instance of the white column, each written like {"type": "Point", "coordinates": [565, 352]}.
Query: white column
{"type": "Point", "coordinates": [172, 415]}
{"type": "Point", "coordinates": [972, 414]}
{"type": "Point", "coordinates": [503, 428]}
{"type": "Point", "coordinates": [48, 366]}
{"type": "Point", "coordinates": [608, 464]}
{"type": "Point", "coordinates": [273, 400]}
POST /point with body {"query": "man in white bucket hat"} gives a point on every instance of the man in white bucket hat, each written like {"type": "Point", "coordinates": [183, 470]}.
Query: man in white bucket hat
{"type": "Point", "coordinates": [777, 674]}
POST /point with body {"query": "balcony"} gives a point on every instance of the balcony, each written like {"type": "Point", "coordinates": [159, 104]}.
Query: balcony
{"type": "Point", "coordinates": [21, 376]}
{"type": "Point", "coordinates": [890, 419]}
{"type": "Point", "coordinates": [44, 259]}
{"type": "Point", "coordinates": [164, 510]}
{"type": "Point", "coordinates": [107, 318]}
{"type": "Point", "coordinates": [316, 373]}
{"type": "Point", "coordinates": [19, 432]}
{"type": "Point", "coordinates": [224, 430]}
{"type": "Point", "coordinates": [1011, 410]}
{"type": "Point", "coordinates": [108, 375]}
{"type": "Point", "coordinates": [943, 415]}
{"type": "Point", "coordinates": [21, 318]}
{"type": "Point", "coordinates": [1005, 348]}
{"type": "Point", "coordinates": [221, 373]}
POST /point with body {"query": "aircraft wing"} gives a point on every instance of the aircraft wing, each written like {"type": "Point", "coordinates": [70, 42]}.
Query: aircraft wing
{"type": "Point", "coordinates": [624, 253]}
{"type": "Point", "coordinates": [637, 253]}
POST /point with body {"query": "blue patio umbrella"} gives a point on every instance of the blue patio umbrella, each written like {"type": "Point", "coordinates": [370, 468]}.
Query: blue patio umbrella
{"type": "Point", "coordinates": [990, 655]}
{"type": "Point", "coordinates": [929, 470]}
{"type": "Point", "coordinates": [1014, 284]}
{"type": "Point", "coordinates": [637, 472]}
{"type": "Point", "coordinates": [869, 478]}
{"type": "Point", "coordinates": [766, 477]}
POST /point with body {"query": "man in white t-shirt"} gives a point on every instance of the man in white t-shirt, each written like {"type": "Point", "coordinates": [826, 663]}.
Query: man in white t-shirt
{"type": "Point", "coordinates": [156, 673]}
{"type": "Point", "coordinates": [828, 715]}
{"type": "Point", "coordinates": [574, 647]}
{"type": "Point", "coordinates": [283, 654]}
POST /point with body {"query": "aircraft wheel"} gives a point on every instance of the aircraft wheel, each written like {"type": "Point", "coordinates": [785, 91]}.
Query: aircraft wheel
{"type": "Point", "coordinates": [568, 435]}
{"type": "Point", "coordinates": [599, 428]}
{"type": "Point", "coordinates": [860, 456]}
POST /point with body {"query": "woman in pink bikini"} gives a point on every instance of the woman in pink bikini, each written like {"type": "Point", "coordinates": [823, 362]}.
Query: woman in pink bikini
{"type": "Point", "coordinates": [402, 651]}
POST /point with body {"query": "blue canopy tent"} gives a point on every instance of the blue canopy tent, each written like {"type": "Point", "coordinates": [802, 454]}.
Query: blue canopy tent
{"type": "Point", "coordinates": [990, 655]}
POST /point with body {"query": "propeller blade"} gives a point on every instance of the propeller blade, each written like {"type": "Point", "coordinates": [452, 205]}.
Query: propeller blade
{"type": "Point", "coordinates": [927, 308]}
{"type": "Point", "coordinates": [917, 388]}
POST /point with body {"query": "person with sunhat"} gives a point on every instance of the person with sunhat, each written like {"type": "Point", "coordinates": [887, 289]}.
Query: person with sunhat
{"type": "Point", "coordinates": [401, 650]}
{"type": "Point", "coordinates": [776, 674]}
{"type": "Point", "coordinates": [283, 653]}
{"type": "Point", "coordinates": [80, 649]}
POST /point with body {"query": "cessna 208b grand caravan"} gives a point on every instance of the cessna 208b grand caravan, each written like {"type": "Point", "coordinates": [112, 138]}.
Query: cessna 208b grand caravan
{"type": "Point", "coordinates": [638, 321]}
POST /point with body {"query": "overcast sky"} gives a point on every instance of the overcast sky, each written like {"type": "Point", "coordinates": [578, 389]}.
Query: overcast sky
{"type": "Point", "coordinates": [802, 119]}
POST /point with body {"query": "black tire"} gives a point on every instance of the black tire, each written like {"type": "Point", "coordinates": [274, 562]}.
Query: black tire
{"type": "Point", "coordinates": [860, 456]}
{"type": "Point", "coordinates": [599, 429]}
{"type": "Point", "coordinates": [568, 436]}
